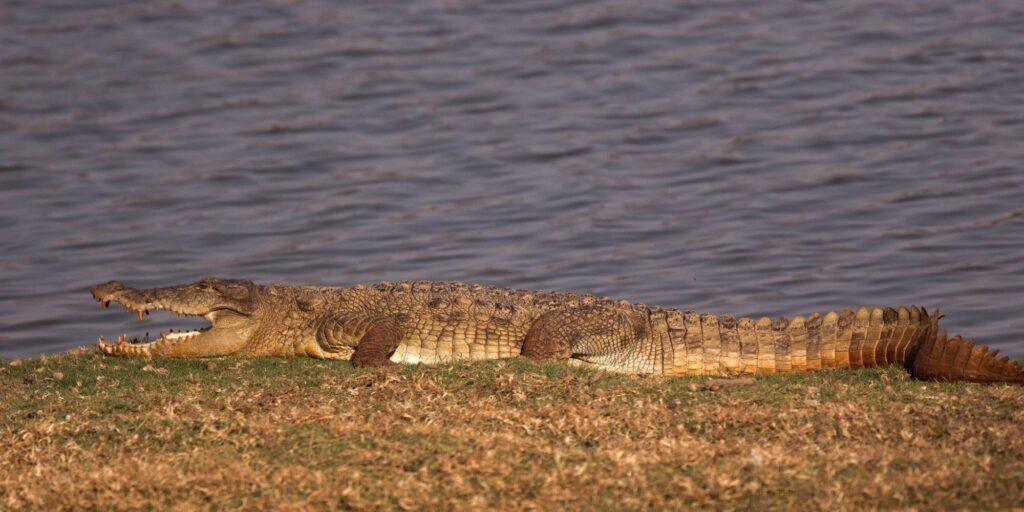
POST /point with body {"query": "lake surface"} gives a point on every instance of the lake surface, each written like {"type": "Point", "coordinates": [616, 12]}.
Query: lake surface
{"type": "Point", "coordinates": [747, 158]}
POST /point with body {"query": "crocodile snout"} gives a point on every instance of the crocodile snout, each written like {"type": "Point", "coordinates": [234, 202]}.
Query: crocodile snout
{"type": "Point", "coordinates": [104, 290]}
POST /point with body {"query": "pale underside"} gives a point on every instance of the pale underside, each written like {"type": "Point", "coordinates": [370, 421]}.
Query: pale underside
{"type": "Point", "coordinates": [410, 353]}
{"type": "Point", "coordinates": [413, 351]}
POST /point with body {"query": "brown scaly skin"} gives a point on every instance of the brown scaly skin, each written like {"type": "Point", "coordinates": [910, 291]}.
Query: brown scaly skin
{"type": "Point", "coordinates": [425, 322]}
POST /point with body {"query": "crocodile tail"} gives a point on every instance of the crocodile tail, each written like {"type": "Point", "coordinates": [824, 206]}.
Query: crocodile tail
{"type": "Point", "coordinates": [710, 345]}
{"type": "Point", "coordinates": [867, 338]}
{"type": "Point", "coordinates": [942, 358]}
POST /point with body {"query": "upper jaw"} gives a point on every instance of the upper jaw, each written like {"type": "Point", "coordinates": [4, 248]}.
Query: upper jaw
{"type": "Point", "coordinates": [144, 300]}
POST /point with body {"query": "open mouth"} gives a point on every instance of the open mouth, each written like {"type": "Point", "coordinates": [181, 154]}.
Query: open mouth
{"type": "Point", "coordinates": [140, 303]}
{"type": "Point", "coordinates": [142, 346]}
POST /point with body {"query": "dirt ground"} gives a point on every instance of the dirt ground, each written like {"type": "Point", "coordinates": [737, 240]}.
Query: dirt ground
{"type": "Point", "coordinates": [84, 431]}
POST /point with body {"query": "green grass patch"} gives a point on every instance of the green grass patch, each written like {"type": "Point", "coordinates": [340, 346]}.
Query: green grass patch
{"type": "Point", "coordinates": [88, 431]}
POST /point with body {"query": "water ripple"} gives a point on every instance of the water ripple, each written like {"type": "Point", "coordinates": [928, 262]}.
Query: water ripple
{"type": "Point", "coordinates": [753, 158]}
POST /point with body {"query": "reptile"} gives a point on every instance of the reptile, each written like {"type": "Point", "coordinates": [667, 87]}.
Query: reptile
{"type": "Point", "coordinates": [433, 322]}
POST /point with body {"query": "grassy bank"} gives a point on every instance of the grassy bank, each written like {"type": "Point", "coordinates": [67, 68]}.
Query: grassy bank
{"type": "Point", "coordinates": [81, 430]}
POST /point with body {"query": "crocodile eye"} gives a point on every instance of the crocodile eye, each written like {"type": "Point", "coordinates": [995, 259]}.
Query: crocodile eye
{"type": "Point", "coordinates": [207, 283]}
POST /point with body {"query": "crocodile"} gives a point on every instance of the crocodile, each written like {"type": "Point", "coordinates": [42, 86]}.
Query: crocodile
{"type": "Point", "coordinates": [434, 322]}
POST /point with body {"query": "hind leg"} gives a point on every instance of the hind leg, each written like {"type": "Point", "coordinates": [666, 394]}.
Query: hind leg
{"type": "Point", "coordinates": [551, 337]}
{"type": "Point", "coordinates": [608, 338]}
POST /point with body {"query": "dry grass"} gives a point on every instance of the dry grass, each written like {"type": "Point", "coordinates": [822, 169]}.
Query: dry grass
{"type": "Point", "coordinates": [84, 431]}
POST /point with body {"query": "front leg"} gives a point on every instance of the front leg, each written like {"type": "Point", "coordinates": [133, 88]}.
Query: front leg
{"type": "Point", "coordinates": [380, 340]}
{"type": "Point", "coordinates": [368, 340]}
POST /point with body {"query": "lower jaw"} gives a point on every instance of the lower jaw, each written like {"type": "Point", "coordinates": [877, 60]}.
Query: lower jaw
{"type": "Point", "coordinates": [123, 347]}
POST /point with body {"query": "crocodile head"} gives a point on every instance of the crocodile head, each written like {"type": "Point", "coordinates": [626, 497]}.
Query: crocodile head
{"type": "Point", "coordinates": [231, 306]}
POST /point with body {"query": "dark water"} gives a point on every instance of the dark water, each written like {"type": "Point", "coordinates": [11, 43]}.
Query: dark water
{"type": "Point", "coordinates": [735, 157]}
